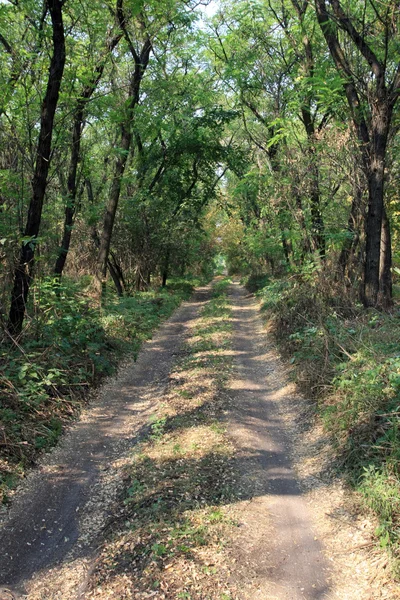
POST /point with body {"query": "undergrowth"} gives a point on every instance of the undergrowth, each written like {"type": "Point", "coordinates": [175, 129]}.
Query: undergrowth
{"type": "Point", "coordinates": [349, 358]}
{"type": "Point", "coordinates": [67, 347]}
{"type": "Point", "coordinates": [180, 480]}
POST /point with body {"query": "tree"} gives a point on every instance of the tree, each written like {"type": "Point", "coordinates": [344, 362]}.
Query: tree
{"type": "Point", "coordinates": [372, 90]}
{"type": "Point", "coordinates": [24, 270]}
{"type": "Point", "coordinates": [78, 112]}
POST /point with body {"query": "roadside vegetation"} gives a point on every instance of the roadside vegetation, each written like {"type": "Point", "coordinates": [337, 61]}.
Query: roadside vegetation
{"type": "Point", "coordinates": [69, 347]}
{"type": "Point", "coordinates": [180, 481]}
{"type": "Point", "coordinates": [348, 359]}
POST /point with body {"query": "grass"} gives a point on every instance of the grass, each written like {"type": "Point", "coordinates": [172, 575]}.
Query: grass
{"type": "Point", "coordinates": [67, 348]}
{"type": "Point", "coordinates": [349, 359]}
{"type": "Point", "coordinates": [181, 480]}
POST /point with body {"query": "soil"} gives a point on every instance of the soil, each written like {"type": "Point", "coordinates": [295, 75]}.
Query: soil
{"type": "Point", "coordinates": [299, 536]}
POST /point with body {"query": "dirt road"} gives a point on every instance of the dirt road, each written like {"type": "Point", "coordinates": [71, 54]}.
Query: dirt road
{"type": "Point", "coordinates": [61, 512]}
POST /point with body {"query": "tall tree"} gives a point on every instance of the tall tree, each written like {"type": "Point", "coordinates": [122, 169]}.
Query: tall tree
{"type": "Point", "coordinates": [24, 271]}
{"type": "Point", "coordinates": [141, 60]}
{"type": "Point", "coordinates": [369, 30]}
{"type": "Point", "coordinates": [79, 109]}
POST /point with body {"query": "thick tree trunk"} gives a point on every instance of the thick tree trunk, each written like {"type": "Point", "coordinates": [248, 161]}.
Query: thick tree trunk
{"type": "Point", "coordinates": [24, 269]}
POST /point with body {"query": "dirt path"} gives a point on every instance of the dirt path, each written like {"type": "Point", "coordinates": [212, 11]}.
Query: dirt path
{"type": "Point", "coordinates": [67, 493]}
{"type": "Point", "coordinates": [277, 544]}
{"type": "Point", "coordinates": [49, 543]}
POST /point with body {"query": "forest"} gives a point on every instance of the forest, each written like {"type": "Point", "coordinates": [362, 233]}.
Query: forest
{"type": "Point", "coordinates": [148, 144]}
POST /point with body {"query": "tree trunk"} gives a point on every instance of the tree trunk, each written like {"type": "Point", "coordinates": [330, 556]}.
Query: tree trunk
{"type": "Point", "coordinates": [385, 276]}
{"type": "Point", "coordinates": [71, 192]}
{"type": "Point", "coordinates": [317, 222]}
{"type": "Point", "coordinates": [376, 174]}
{"type": "Point", "coordinates": [24, 270]}
{"type": "Point", "coordinates": [118, 281]}
{"type": "Point", "coordinates": [354, 226]}
{"type": "Point", "coordinates": [372, 132]}
{"type": "Point", "coordinates": [77, 128]}
{"type": "Point", "coordinates": [165, 269]}
{"type": "Point", "coordinates": [141, 63]}
{"type": "Point", "coordinates": [111, 210]}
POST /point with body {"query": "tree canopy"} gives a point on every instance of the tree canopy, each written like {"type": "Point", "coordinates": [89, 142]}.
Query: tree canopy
{"type": "Point", "coordinates": [142, 138]}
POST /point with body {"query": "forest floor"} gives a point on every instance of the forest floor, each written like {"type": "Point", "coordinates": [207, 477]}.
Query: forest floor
{"type": "Point", "coordinates": [198, 473]}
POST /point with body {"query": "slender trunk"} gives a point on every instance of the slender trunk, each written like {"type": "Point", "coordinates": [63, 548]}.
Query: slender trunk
{"type": "Point", "coordinates": [115, 278]}
{"type": "Point", "coordinates": [287, 247]}
{"type": "Point", "coordinates": [71, 192]}
{"type": "Point", "coordinates": [317, 222]}
{"type": "Point", "coordinates": [24, 270]}
{"type": "Point", "coordinates": [118, 270]}
{"type": "Point", "coordinates": [372, 135]}
{"type": "Point", "coordinates": [77, 127]}
{"type": "Point", "coordinates": [306, 244]}
{"type": "Point", "coordinates": [111, 210]}
{"type": "Point", "coordinates": [376, 174]}
{"type": "Point", "coordinates": [318, 228]}
{"type": "Point", "coordinates": [165, 269]}
{"type": "Point", "coordinates": [354, 227]}
{"type": "Point", "coordinates": [385, 277]}
{"type": "Point", "coordinates": [120, 164]}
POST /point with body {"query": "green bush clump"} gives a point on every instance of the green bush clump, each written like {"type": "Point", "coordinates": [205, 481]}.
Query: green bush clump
{"type": "Point", "coordinates": [67, 346]}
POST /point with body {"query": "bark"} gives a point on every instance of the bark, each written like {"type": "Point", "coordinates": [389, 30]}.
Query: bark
{"type": "Point", "coordinates": [376, 178]}
{"type": "Point", "coordinates": [354, 229]}
{"type": "Point", "coordinates": [165, 269]}
{"type": "Point", "coordinates": [317, 222]}
{"type": "Point", "coordinates": [141, 63]}
{"type": "Point", "coordinates": [115, 275]}
{"type": "Point", "coordinates": [385, 279]}
{"type": "Point", "coordinates": [75, 154]}
{"type": "Point", "coordinates": [24, 270]}
{"type": "Point", "coordinates": [287, 247]}
{"type": "Point", "coordinates": [372, 133]}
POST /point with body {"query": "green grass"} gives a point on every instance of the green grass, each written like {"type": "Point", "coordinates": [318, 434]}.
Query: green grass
{"type": "Point", "coordinates": [349, 359]}
{"type": "Point", "coordinates": [68, 347]}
